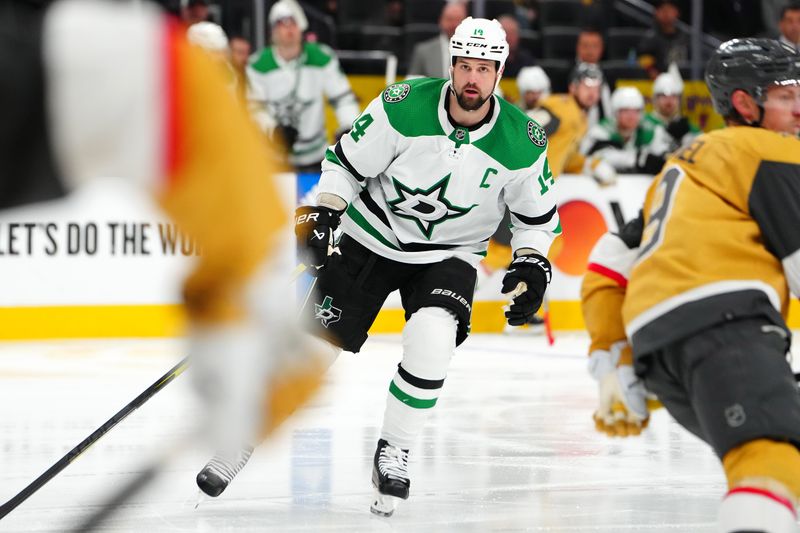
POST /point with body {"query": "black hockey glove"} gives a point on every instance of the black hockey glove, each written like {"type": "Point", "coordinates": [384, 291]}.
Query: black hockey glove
{"type": "Point", "coordinates": [535, 272]}
{"type": "Point", "coordinates": [647, 163]}
{"type": "Point", "coordinates": [678, 128]}
{"type": "Point", "coordinates": [288, 134]}
{"type": "Point", "coordinates": [314, 227]}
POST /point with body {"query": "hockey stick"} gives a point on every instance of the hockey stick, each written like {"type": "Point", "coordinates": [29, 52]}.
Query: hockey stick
{"type": "Point", "coordinates": [522, 287]}
{"type": "Point", "coordinates": [143, 478]}
{"type": "Point", "coordinates": [133, 487]}
{"type": "Point", "coordinates": [617, 211]}
{"type": "Point", "coordinates": [123, 413]}
{"type": "Point", "coordinates": [548, 329]}
{"type": "Point", "coordinates": [76, 452]}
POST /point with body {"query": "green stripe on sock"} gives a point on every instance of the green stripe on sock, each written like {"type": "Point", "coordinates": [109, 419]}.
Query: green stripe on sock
{"type": "Point", "coordinates": [410, 401]}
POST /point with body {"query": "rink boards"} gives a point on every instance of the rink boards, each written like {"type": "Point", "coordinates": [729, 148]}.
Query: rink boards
{"type": "Point", "coordinates": [107, 263]}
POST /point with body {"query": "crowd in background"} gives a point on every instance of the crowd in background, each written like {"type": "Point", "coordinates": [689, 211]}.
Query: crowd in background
{"type": "Point", "coordinates": [286, 84]}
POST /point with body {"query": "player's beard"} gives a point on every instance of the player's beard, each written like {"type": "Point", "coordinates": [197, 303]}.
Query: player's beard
{"type": "Point", "coordinates": [473, 103]}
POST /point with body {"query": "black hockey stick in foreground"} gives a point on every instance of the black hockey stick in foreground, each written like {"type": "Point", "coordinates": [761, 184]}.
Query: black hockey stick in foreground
{"type": "Point", "coordinates": [134, 486]}
{"type": "Point", "coordinates": [130, 489]}
{"type": "Point", "coordinates": [75, 452]}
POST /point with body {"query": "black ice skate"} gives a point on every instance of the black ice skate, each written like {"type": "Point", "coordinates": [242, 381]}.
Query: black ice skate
{"type": "Point", "coordinates": [220, 471]}
{"type": "Point", "coordinates": [390, 478]}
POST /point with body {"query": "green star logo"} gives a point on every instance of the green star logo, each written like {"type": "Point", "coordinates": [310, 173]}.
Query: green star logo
{"type": "Point", "coordinates": [536, 134]}
{"type": "Point", "coordinates": [426, 207]}
{"type": "Point", "coordinates": [326, 312]}
{"type": "Point", "coordinates": [396, 93]}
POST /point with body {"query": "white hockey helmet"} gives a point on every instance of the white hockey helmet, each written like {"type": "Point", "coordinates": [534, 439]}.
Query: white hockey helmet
{"type": "Point", "coordinates": [479, 39]}
{"type": "Point", "coordinates": [533, 79]}
{"type": "Point", "coordinates": [667, 84]}
{"type": "Point", "coordinates": [626, 98]}
{"type": "Point", "coordinates": [284, 9]}
{"type": "Point", "coordinates": [208, 36]}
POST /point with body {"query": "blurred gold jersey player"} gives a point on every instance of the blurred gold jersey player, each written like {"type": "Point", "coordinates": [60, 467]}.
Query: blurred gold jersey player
{"type": "Point", "coordinates": [102, 89]}
{"type": "Point", "coordinates": [708, 294]}
{"type": "Point", "coordinates": [565, 119]}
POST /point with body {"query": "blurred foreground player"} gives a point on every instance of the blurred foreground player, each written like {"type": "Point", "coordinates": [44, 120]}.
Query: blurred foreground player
{"type": "Point", "coordinates": [708, 289]}
{"type": "Point", "coordinates": [91, 89]}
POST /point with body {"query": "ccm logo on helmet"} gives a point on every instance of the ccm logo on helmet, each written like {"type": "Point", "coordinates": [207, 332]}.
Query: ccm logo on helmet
{"type": "Point", "coordinates": [478, 45]}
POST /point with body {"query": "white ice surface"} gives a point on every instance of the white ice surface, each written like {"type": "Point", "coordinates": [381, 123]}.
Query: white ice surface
{"type": "Point", "coordinates": [509, 447]}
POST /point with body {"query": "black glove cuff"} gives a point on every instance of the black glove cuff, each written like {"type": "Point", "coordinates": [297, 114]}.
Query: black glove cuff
{"type": "Point", "coordinates": [317, 216]}
{"type": "Point", "coordinates": [678, 128]}
{"type": "Point", "coordinates": [533, 261]}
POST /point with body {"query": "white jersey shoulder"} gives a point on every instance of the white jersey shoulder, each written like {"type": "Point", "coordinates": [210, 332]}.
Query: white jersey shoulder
{"type": "Point", "coordinates": [422, 188]}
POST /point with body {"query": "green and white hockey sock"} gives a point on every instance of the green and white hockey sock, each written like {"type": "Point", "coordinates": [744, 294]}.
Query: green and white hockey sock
{"type": "Point", "coordinates": [428, 345]}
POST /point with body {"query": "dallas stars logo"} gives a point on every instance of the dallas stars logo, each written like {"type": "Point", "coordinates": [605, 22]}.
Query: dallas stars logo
{"type": "Point", "coordinates": [426, 207]}
{"type": "Point", "coordinates": [396, 93]}
{"type": "Point", "coordinates": [326, 312]}
{"type": "Point", "coordinates": [536, 134]}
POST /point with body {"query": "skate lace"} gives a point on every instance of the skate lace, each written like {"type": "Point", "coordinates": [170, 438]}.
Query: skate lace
{"type": "Point", "coordinates": [227, 469]}
{"type": "Point", "coordinates": [393, 463]}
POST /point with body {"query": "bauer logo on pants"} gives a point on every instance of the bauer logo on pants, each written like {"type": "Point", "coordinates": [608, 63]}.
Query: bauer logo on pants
{"type": "Point", "coordinates": [326, 312]}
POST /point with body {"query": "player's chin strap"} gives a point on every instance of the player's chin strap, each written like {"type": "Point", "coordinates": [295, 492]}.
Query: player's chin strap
{"type": "Point", "coordinates": [757, 123]}
{"type": "Point", "coordinates": [752, 123]}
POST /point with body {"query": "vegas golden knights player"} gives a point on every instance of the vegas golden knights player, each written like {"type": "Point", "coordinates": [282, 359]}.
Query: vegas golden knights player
{"type": "Point", "coordinates": [96, 89]}
{"type": "Point", "coordinates": [705, 293]}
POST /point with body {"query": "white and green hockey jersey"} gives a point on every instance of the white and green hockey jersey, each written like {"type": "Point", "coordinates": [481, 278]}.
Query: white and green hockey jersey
{"type": "Point", "coordinates": [293, 94]}
{"type": "Point", "coordinates": [604, 140]}
{"type": "Point", "coordinates": [421, 189]}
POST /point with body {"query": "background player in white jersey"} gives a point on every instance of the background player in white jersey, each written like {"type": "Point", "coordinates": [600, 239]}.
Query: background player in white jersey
{"type": "Point", "coordinates": [666, 113]}
{"type": "Point", "coordinates": [291, 79]}
{"type": "Point", "coordinates": [622, 141]}
{"type": "Point", "coordinates": [534, 86]}
{"type": "Point", "coordinates": [419, 185]}
{"type": "Point", "coordinates": [704, 286]}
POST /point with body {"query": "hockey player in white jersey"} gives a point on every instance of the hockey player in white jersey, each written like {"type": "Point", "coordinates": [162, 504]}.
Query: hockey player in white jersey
{"type": "Point", "coordinates": [290, 81]}
{"type": "Point", "coordinates": [623, 141]}
{"type": "Point", "coordinates": [419, 185]}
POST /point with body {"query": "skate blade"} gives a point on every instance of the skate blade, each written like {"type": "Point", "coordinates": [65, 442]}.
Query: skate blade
{"type": "Point", "coordinates": [201, 497]}
{"type": "Point", "coordinates": [525, 329]}
{"type": "Point", "coordinates": [384, 504]}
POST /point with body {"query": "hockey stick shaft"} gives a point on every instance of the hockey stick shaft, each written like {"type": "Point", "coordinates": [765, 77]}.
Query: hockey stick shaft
{"type": "Point", "coordinates": [298, 270]}
{"type": "Point", "coordinates": [548, 327]}
{"type": "Point", "coordinates": [76, 452]}
{"type": "Point", "coordinates": [86, 443]}
{"type": "Point", "coordinates": [133, 487]}
{"type": "Point", "coordinates": [141, 480]}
